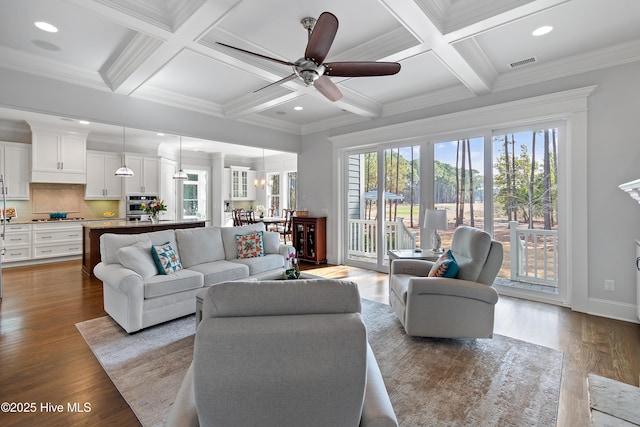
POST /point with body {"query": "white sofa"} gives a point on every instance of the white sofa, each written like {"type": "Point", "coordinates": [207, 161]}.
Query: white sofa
{"type": "Point", "coordinates": [137, 296]}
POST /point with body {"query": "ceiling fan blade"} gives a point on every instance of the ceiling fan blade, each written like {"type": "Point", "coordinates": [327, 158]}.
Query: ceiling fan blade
{"type": "Point", "coordinates": [285, 79]}
{"type": "Point", "coordinates": [361, 69]}
{"type": "Point", "coordinates": [325, 86]}
{"type": "Point", "coordinates": [268, 58]}
{"type": "Point", "coordinates": [321, 37]}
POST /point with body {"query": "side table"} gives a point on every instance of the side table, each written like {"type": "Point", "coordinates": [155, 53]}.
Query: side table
{"type": "Point", "coordinates": [426, 254]}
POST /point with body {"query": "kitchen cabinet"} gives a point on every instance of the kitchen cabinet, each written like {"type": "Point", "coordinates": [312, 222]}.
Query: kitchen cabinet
{"type": "Point", "coordinates": [15, 166]}
{"type": "Point", "coordinates": [57, 239]}
{"type": "Point", "coordinates": [310, 238]}
{"type": "Point", "coordinates": [102, 184]}
{"type": "Point", "coordinates": [242, 187]}
{"type": "Point", "coordinates": [146, 179]}
{"type": "Point", "coordinates": [17, 243]}
{"type": "Point", "coordinates": [58, 156]}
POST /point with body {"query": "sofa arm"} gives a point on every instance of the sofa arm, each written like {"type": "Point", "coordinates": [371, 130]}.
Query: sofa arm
{"type": "Point", "coordinates": [376, 408]}
{"type": "Point", "coordinates": [120, 278]}
{"type": "Point", "coordinates": [452, 287]}
{"type": "Point", "coordinates": [413, 267]}
{"type": "Point", "coordinates": [285, 250]}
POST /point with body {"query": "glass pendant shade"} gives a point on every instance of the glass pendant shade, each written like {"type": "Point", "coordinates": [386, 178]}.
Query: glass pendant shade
{"type": "Point", "coordinates": [181, 175]}
{"type": "Point", "coordinates": [123, 171]}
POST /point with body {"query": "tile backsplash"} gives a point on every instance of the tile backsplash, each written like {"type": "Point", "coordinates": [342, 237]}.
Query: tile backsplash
{"type": "Point", "coordinates": [47, 198]}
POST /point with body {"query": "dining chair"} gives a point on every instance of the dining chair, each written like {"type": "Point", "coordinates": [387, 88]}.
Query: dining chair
{"type": "Point", "coordinates": [287, 227]}
{"type": "Point", "coordinates": [237, 217]}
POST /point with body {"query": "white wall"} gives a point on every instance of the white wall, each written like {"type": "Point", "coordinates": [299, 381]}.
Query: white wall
{"type": "Point", "coordinates": [613, 157]}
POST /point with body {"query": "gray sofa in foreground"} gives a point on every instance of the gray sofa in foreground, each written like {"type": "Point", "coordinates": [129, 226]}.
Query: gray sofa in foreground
{"type": "Point", "coordinates": [137, 296]}
{"type": "Point", "coordinates": [282, 353]}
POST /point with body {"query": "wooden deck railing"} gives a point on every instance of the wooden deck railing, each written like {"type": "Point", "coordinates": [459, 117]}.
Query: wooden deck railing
{"type": "Point", "coordinates": [534, 255]}
{"type": "Point", "coordinates": [362, 237]}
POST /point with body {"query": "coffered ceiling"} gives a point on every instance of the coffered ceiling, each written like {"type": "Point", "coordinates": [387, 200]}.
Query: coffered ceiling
{"type": "Point", "coordinates": [165, 51]}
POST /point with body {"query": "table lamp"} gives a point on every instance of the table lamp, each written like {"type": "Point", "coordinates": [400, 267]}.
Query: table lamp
{"type": "Point", "coordinates": [435, 219]}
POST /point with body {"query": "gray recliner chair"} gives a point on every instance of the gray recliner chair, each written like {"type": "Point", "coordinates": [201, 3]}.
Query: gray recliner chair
{"type": "Point", "coordinates": [282, 353]}
{"type": "Point", "coordinates": [461, 307]}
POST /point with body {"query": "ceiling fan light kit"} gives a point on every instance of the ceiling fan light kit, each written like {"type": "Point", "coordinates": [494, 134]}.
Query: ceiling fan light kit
{"type": "Point", "coordinates": [312, 69]}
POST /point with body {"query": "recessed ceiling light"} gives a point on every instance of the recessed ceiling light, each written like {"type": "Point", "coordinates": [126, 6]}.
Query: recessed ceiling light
{"type": "Point", "coordinates": [84, 122]}
{"type": "Point", "coordinates": [298, 108]}
{"type": "Point", "coordinates": [542, 30]}
{"type": "Point", "coordinates": [45, 26]}
{"type": "Point", "coordinates": [160, 134]}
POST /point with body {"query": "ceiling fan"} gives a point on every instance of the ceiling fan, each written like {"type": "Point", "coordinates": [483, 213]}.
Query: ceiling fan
{"type": "Point", "coordinates": [311, 68]}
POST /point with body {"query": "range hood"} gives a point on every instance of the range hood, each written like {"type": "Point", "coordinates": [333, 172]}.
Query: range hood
{"type": "Point", "coordinates": [632, 188]}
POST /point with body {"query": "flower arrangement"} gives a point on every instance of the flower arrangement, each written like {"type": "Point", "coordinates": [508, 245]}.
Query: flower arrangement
{"type": "Point", "coordinates": [291, 264]}
{"type": "Point", "coordinates": [153, 208]}
{"type": "Point", "coordinates": [261, 210]}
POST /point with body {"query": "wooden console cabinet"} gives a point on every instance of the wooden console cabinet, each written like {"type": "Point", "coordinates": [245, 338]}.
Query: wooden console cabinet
{"type": "Point", "coordinates": [310, 238]}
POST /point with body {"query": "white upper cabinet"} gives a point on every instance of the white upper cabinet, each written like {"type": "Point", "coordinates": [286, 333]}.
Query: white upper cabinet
{"type": "Point", "coordinates": [58, 155]}
{"type": "Point", "coordinates": [15, 165]}
{"type": "Point", "coordinates": [102, 184]}
{"type": "Point", "coordinates": [242, 187]}
{"type": "Point", "coordinates": [146, 179]}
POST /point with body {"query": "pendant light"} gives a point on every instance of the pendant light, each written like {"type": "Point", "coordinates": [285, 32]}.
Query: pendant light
{"type": "Point", "coordinates": [124, 171]}
{"type": "Point", "coordinates": [262, 181]}
{"type": "Point", "coordinates": [182, 175]}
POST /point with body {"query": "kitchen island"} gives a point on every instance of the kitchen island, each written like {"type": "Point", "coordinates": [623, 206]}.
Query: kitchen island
{"type": "Point", "coordinates": [94, 229]}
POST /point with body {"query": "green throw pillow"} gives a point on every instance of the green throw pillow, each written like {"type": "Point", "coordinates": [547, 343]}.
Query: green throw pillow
{"type": "Point", "coordinates": [166, 258]}
{"type": "Point", "coordinates": [446, 266]}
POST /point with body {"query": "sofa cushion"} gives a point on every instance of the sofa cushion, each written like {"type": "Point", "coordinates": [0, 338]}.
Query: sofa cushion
{"type": "Point", "coordinates": [180, 281]}
{"type": "Point", "coordinates": [261, 264]}
{"type": "Point", "coordinates": [163, 236]}
{"type": "Point", "coordinates": [445, 266]}
{"type": "Point", "coordinates": [250, 245]}
{"type": "Point", "coordinates": [111, 242]}
{"type": "Point", "coordinates": [166, 258]}
{"type": "Point", "coordinates": [138, 258]}
{"type": "Point", "coordinates": [229, 237]}
{"type": "Point", "coordinates": [199, 245]}
{"type": "Point", "coordinates": [221, 271]}
{"type": "Point", "coordinates": [271, 241]}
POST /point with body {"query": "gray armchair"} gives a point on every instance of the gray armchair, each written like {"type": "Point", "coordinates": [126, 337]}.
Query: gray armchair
{"type": "Point", "coordinates": [282, 353]}
{"type": "Point", "coordinates": [461, 307]}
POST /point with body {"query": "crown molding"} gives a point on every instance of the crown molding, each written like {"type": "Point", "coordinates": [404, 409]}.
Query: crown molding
{"type": "Point", "coordinates": [45, 67]}
{"type": "Point", "coordinates": [139, 49]}
{"type": "Point", "coordinates": [177, 100]}
{"type": "Point", "coordinates": [150, 11]}
{"type": "Point", "coordinates": [619, 54]}
{"type": "Point", "coordinates": [271, 123]}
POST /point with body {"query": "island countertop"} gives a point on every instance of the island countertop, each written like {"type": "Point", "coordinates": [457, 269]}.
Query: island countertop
{"type": "Point", "coordinates": [92, 230]}
{"type": "Point", "coordinates": [121, 223]}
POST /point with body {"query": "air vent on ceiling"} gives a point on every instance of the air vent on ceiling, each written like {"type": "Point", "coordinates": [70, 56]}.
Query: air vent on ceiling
{"type": "Point", "coordinates": [523, 62]}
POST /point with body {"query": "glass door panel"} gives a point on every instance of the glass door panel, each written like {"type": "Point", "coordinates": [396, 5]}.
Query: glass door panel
{"type": "Point", "coordinates": [459, 184]}
{"type": "Point", "coordinates": [525, 209]}
{"type": "Point", "coordinates": [362, 208]}
{"type": "Point", "coordinates": [401, 213]}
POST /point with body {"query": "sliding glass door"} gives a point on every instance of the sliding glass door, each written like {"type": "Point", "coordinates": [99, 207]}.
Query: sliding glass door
{"type": "Point", "coordinates": [379, 221]}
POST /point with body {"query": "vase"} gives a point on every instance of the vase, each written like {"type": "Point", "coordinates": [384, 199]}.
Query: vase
{"type": "Point", "coordinates": [291, 273]}
{"type": "Point", "coordinates": [155, 217]}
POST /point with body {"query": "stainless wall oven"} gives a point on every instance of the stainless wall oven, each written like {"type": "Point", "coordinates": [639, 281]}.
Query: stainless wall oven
{"type": "Point", "coordinates": [134, 206]}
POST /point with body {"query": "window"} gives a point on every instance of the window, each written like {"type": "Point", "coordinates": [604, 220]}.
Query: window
{"type": "Point", "coordinates": [194, 195]}
{"type": "Point", "coordinates": [273, 191]}
{"type": "Point", "coordinates": [292, 179]}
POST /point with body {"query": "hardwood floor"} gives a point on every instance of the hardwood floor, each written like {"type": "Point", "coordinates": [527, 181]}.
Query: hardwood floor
{"type": "Point", "coordinates": [44, 360]}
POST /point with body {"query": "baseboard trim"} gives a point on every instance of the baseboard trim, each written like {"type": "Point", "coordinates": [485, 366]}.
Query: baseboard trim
{"type": "Point", "coordinates": [613, 310]}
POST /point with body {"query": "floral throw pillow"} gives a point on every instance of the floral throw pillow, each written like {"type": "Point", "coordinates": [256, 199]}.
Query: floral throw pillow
{"type": "Point", "coordinates": [166, 258]}
{"type": "Point", "coordinates": [250, 245]}
{"type": "Point", "coordinates": [446, 266]}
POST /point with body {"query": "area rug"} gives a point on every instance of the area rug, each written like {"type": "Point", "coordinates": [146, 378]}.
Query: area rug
{"type": "Point", "coordinates": [431, 382]}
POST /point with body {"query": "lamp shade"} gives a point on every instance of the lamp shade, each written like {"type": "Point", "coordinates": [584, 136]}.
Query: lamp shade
{"type": "Point", "coordinates": [435, 219]}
